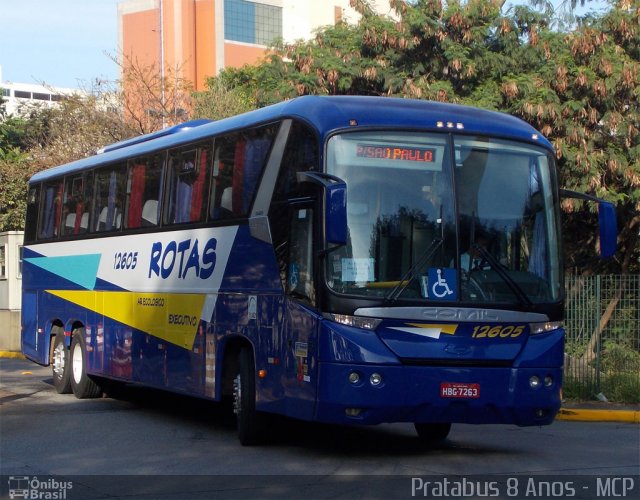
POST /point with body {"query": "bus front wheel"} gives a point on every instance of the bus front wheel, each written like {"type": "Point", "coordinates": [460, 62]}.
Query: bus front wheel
{"type": "Point", "coordinates": [249, 420]}
{"type": "Point", "coordinates": [432, 433]}
{"type": "Point", "coordinates": [60, 365]}
{"type": "Point", "coordinates": [82, 385]}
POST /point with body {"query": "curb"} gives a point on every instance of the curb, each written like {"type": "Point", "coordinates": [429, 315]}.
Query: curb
{"type": "Point", "coordinates": [583, 415]}
{"type": "Point", "coordinates": [11, 355]}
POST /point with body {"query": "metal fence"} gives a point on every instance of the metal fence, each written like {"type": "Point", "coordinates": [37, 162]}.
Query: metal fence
{"type": "Point", "coordinates": [602, 352]}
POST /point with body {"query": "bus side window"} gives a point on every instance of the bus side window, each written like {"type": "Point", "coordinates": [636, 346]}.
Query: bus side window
{"type": "Point", "coordinates": [143, 192]}
{"type": "Point", "coordinates": [109, 193]}
{"type": "Point", "coordinates": [75, 212]}
{"type": "Point", "coordinates": [239, 160]}
{"type": "Point", "coordinates": [51, 210]}
{"type": "Point", "coordinates": [33, 201]}
{"type": "Point", "coordinates": [254, 158]}
{"type": "Point", "coordinates": [301, 155]}
{"type": "Point", "coordinates": [222, 186]}
{"type": "Point", "coordinates": [188, 184]}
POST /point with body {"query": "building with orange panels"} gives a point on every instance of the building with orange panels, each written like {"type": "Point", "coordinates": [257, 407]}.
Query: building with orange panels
{"type": "Point", "coordinates": [198, 38]}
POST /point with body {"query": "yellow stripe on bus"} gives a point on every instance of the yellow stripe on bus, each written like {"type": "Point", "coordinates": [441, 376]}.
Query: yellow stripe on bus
{"type": "Point", "coordinates": [448, 328]}
{"type": "Point", "coordinates": [173, 317]}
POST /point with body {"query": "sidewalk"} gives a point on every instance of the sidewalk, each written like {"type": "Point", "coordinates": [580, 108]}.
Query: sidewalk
{"type": "Point", "coordinates": [577, 411]}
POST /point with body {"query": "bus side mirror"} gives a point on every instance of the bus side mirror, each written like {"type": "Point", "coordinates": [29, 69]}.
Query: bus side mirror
{"type": "Point", "coordinates": [608, 229]}
{"type": "Point", "coordinates": [335, 221]}
{"type": "Point", "coordinates": [335, 198]}
{"type": "Point", "coordinates": [606, 220]}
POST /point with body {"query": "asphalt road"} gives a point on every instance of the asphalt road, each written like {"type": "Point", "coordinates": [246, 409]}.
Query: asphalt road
{"type": "Point", "coordinates": [150, 444]}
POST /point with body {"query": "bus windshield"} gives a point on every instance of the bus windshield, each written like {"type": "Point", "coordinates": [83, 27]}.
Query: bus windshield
{"type": "Point", "coordinates": [442, 217]}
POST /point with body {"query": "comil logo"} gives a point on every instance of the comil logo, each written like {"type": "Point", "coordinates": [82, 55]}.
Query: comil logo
{"type": "Point", "coordinates": [36, 489]}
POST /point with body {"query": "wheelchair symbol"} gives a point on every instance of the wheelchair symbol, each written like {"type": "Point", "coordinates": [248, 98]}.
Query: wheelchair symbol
{"type": "Point", "coordinates": [441, 288]}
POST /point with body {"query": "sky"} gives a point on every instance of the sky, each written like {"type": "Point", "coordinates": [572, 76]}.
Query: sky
{"type": "Point", "coordinates": [64, 43]}
{"type": "Point", "coordinates": [60, 42]}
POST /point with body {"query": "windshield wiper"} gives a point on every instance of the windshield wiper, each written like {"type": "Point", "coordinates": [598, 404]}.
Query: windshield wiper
{"type": "Point", "coordinates": [502, 272]}
{"type": "Point", "coordinates": [409, 275]}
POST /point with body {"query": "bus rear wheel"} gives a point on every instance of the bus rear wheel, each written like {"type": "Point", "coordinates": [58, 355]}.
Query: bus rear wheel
{"type": "Point", "coordinates": [249, 421]}
{"type": "Point", "coordinates": [60, 366]}
{"type": "Point", "coordinates": [82, 385]}
{"type": "Point", "coordinates": [432, 433]}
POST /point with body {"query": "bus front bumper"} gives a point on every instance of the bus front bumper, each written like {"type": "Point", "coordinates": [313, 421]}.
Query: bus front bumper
{"type": "Point", "coordinates": [373, 394]}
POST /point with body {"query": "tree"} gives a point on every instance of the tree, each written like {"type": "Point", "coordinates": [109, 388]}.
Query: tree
{"type": "Point", "coordinates": [578, 88]}
{"type": "Point", "coordinates": [224, 96]}
{"type": "Point", "coordinates": [75, 129]}
{"type": "Point", "coordinates": [151, 99]}
{"type": "Point", "coordinates": [144, 101]}
{"type": "Point", "coordinates": [12, 131]}
{"type": "Point", "coordinates": [584, 98]}
{"type": "Point", "coordinates": [14, 175]}
{"type": "Point", "coordinates": [14, 172]}
{"type": "Point", "coordinates": [47, 137]}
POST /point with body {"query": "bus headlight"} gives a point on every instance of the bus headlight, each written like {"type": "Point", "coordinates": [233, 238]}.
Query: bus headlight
{"type": "Point", "coordinates": [537, 328]}
{"type": "Point", "coordinates": [357, 321]}
{"type": "Point", "coordinates": [375, 379]}
{"type": "Point", "coordinates": [534, 382]}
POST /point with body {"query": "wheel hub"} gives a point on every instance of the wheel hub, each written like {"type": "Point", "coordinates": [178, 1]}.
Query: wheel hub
{"type": "Point", "coordinates": [76, 364]}
{"type": "Point", "coordinates": [237, 394]}
{"type": "Point", "coordinates": [58, 360]}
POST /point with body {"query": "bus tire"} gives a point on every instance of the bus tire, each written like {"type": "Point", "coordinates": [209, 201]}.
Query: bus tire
{"type": "Point", "coordinates": [249, 421]}
{"type": "Point", "coordinates": [60, 365]}
{"type": "Point", "coordinates": [82, 385]}
{"type": "Point", "coordinates": [432, 433]}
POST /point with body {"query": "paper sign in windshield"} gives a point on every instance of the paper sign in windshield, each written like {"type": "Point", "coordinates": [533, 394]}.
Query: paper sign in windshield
{"type": "Point", "coordinates": [357, 270]}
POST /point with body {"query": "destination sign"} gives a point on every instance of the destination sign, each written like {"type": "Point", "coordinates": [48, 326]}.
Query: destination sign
{"type": "Point", "coordinates": [396, 153]}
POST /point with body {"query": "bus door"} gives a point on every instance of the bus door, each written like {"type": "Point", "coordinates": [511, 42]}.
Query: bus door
{"type": "Point", "coordinates": [301, 322]}
{"type": "Point", "coordinates": [33, 343]}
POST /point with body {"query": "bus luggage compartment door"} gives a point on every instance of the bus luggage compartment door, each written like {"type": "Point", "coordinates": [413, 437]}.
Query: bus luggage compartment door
{"type": "Point", "coordinates": [33, 343]}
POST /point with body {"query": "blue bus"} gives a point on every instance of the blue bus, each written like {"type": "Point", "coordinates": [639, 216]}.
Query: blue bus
{"type": "Point", "coordinates": [348, 260]}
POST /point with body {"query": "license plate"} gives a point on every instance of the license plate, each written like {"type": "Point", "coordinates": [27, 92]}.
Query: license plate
{"type": "Point", "coordinates": [459, 390]}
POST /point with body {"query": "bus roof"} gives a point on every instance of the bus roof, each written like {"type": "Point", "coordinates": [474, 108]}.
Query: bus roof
{"type": "Point", "coordinates": [326, 114]}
